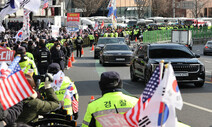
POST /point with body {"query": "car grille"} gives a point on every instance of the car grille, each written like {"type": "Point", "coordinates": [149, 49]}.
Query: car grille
{"type": "Point", "coordinates": [188, 68]}
{"type": "Point", "coordinates": [114, 59]}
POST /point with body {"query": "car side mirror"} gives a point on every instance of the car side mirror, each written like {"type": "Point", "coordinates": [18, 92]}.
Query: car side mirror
{"type": "Point", "coordinates": [197, 55]}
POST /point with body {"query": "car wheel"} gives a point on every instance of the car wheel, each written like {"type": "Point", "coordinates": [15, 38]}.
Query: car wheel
{"type": "Point", "coordinates": [132, 75]}
{"type": "Point", "coordinates": [103, 63]}
{"type": "Point", "coordinates": [204, 53]}
{"type": "Point", "coordinates": [95, 57]}
{"type": "Point", "coordinates": [147, 76]}
{"type": "Point", "coordinates": [199, 84]}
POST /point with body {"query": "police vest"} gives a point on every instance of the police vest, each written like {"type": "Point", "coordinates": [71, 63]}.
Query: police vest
{"type": "Point", "coordinates": [43, 54]}
{"type": "Point", "coordinates": [91, 37]}
{"type": "Point", "coordinates": [105, 105]}
{"type": "Point", "coordinates": [28, 54]}
{"type": "Point", "coordinates": [61, 94]}
{"type": "Point", "coordinates": [27, 65]}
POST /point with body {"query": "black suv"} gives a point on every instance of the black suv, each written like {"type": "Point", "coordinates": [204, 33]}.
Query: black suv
{"type": "Point", "coordinates": [187, 68]}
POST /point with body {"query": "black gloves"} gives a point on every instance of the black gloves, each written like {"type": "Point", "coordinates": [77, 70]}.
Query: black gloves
{"type": "Point", "coordinates": [75, 116]}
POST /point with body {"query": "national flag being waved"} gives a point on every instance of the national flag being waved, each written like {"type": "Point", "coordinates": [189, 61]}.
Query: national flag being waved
{"type": "Point", "coordinates": [112, 12]}
{"type": "Point", "coordinates": [6, 71]}
{"type": "Point", "coordinates": [45, 5]}
{"type": "Point", "coordinates": [132, 116]}
{"type": "Point", "coordinates": [103, 24]}
{"type": "Point", "coordinates": [15, 88]}
{"type": "Point", "coordinates": [69, 94]}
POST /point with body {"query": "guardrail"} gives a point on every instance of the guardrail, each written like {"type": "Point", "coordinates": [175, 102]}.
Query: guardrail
{"type": "Point", "coordinates": [198, 34]}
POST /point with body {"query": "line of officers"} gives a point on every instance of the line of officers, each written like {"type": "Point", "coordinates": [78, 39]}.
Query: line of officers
{"type": "Point", "coordinates": [112, 100]}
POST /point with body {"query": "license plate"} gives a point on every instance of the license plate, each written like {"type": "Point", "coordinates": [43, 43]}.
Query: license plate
{"type": "Point", "coordinates": [181, 74]}
{"type": "Point", "coordinates": [120, 59]}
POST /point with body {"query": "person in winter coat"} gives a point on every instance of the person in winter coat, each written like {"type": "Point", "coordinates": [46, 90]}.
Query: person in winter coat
{"type": "Point", "coordinates": [34, 106]}
{"type": "Point", "coordinates": [78, 43]}
{"type": "Point", "coordinates": [57, 56]}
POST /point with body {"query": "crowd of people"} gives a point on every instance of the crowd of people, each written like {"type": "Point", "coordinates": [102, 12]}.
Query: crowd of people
{"type": "Point", "coordinates": [43, 56]}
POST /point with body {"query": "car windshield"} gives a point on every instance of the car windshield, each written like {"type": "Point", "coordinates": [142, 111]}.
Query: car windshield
{"type": "Point", "coordinates": [108, 40]}
{"type": "Point", "coordinates": [170, 52]}
{"type": "Point", "coordinates": [117, 47]}
{"type": "Point", "coordinates": [121, 39]}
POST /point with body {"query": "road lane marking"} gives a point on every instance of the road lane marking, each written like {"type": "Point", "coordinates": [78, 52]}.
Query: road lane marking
{"type": "Point", "coordinates": [207, 61]}
{"type": "Point", "coordinates": [198, 107]}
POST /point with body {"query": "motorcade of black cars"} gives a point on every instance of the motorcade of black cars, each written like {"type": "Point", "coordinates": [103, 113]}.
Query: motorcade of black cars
{"type": "Point", "coordinates": [101, 43]}
{"type": "Point", "coordinates": [115, 54]}
{"type": "Point", "coordinates": [187, 68]}
{"type": "Point", "coordinates": [207, 48]}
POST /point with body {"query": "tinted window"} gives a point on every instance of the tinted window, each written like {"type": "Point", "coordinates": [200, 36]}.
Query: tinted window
{"type": "Point", "coordinates": [169, 52]}
{"type": "Point", "coordinates": [209, 43]}
{"type": "Point", "coordinates": [117, 47]}
{"type": "Point", "coordinates": [108, 40]}
{"type": "Point", "coordinates": [121, 39]}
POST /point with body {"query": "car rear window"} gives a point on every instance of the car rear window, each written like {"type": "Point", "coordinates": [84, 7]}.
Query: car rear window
{"type": "Point", "coordinates": [117, 47]}
{"type": "Point", "coordinates": [209, 43]}
{"type": "Point", "coordinates": [107, 41]}
{"type": "Point", "coordinates": [170, 52]}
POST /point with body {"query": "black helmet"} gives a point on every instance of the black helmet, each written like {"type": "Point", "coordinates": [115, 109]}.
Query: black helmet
{"type": "Point", "coordinates": [110, 81]}
{"type": "Point", "coordinates": [53, 68]}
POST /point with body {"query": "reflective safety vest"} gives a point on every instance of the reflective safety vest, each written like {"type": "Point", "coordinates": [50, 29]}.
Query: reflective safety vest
{"type": "Point", "coordinates": [105, 35]}
{"type": "Point", "coordinates": [62, 41]}
{"type": "Point", "coordinates": [111, 34]}
{"type": "Point", "coordinates": [91, 37]}
{"type": "Point", "coordinates": [116, 34]}
{"type": "Point", "coordinates": [105, 105]}
{"type": "Point", "coordinates": [49, 45]}
{"type": "Point", "coordinates": [28, 54]}
{"type": "Point", "coordinates": [61, 94]}
{"type": "Point", "coordinates": [27, 65]}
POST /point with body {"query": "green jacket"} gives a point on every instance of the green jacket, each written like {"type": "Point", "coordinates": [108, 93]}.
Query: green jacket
{"type": "Point", "coordinates": [34, 107]}
{"type": "Point", "coordinates": [27, 65]}
{"type": "Point", "coordinates": [105, 105]}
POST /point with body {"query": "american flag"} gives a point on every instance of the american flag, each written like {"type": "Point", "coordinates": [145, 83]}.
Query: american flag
{"type": "Point", "coordinates": [8, 71]}
{"type": "Point", "coordinates": [132, 116]}
{"type": "Point", "coordinates": [70, 95]}
{"type": "Point", "coordinates": [15, 88]}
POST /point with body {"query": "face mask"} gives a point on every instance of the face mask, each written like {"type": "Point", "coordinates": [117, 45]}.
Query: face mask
{"type": "Point", "coordinates": [58, 48]}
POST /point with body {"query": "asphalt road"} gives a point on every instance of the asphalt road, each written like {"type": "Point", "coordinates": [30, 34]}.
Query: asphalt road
{"type": "Point", "coordinates": [197, 108]}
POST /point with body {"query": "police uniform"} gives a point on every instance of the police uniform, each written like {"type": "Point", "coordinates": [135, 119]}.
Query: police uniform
{"type": "Point", "coordinates": [54, 68]}
{"type": "Point", "coordinates": [113, 100]}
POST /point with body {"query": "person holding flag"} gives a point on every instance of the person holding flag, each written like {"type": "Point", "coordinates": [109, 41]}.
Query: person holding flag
{"type": "Point", "coordinates": [112, 100]}
{"type": "Point", "coordinates": [67, 92]}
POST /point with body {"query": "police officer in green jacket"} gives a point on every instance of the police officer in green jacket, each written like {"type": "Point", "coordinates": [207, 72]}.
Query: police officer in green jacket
{"type": "Point", "coordinates": [91, 38]}
{"type": "Point", "coordinates": [27, 65]}
{"type": "Point", "coordinates": [112, 100]}
{"type": "Point", "coordinates": [54, 68]}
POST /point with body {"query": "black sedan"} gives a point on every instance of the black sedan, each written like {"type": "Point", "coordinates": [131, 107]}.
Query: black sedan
{"type": "Point", "coordinates": [115, 53]}
{"type": "Point", "coordinates": [207, 48]}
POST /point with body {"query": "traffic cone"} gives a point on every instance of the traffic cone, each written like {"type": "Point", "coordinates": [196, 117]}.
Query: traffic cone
{"type": "Point", "coordinates": [82, 52]}
{"type": "Point", "coordinates": [92, 98]}
{"type": "Point", "coordinates": [72, 57]}
{"type": "Point", "coordinates": [69, 62]}
{"type": "Point", "coordinates": [136, 39]}
{"type": "Point", "coordinates": [92, 49]}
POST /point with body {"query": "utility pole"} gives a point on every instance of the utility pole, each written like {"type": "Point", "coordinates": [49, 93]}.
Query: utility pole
{"type": "Point", "coordinates": [173, 2]}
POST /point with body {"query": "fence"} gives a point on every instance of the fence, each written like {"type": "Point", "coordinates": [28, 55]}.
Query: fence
{"type": "Point", "coordinates": [165, 35]}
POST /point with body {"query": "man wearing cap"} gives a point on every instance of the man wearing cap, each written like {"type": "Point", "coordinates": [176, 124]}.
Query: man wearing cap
{"type": "Point", "coordinates": [27, 65]}
{"type": "Point", "coordinates": [53, 69]}
{"type": "Point", "coordinates": [112, 100]}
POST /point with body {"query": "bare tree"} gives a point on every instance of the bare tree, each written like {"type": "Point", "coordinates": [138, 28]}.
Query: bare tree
{"type": "Point", "coordinates": [162, 8]}
{"type": "Point", "coordinates": [198, 6]}
{"type": "Point", "coordinates": [142, 7]}
{"type": "Point", "coordinates": [88, 6]}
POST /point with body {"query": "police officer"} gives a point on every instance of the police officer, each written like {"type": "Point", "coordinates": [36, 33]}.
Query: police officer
{"type": "Point", "coordinates": [42, 57]}
{"type": "Point", "coordinates": [112, 100]}
{"type": "Point", "coordinates": [78, 43]}
{"type": "Point", "coordinates": [27, 65]}
{"type": "Point", "coordinates": [53, 69]}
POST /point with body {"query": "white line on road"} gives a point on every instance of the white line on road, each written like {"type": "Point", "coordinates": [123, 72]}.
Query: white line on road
{"type": "Point", "coordinates": [207, 61]}
{"type": "Point", "coordinates": [198, 107]}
